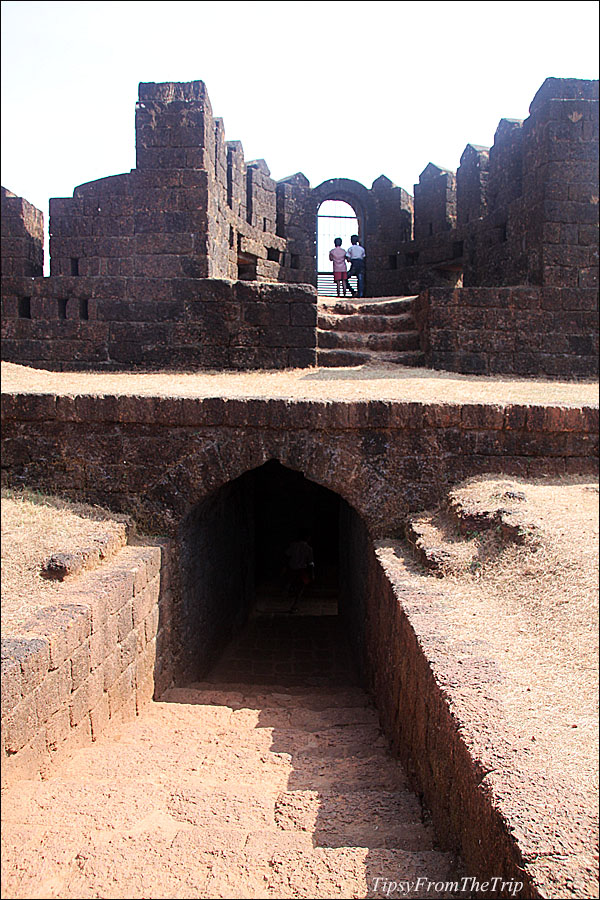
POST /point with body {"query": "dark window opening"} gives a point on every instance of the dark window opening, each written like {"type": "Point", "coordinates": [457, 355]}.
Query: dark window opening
{"type": "Point", "coordinates": [24, 309]}
{"type": "Point", "coordinates": [247, 266]}
{"type": "Point", "coordinates": [62, 308]}
{"type": "Point", "coordinates": [280, 226]}
{"type": "Point", "coordinates": [249, 209]}
{"type": "Point", "coordinates": [265, 224]}
{"type": "Point", "coordinates": [229, 180]}
{"type": "Point", "coordinates": [74, 266]}
{"type": "Point", "coordinates": [239, 243]}
{"type": "Point", "coordinates": [503, 233]}
{"type": "Point", "coordinates": [295, 261]}
{"type": "Point", "coordinates": [83, 310]}
{"type": "Point", "coordinates": [457, 249]}
{"type": "Point", "coordinates": [231, 237]}
{"type": "Point", "coordinates": [273, 255]}
{"type": "Point", "coordinates": [393, 260]}
{"type": "Point", "coordinates": [411, 258]}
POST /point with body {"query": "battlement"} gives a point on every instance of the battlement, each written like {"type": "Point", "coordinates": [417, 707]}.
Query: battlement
{"type": "Point", "coordinates": [523, 212]}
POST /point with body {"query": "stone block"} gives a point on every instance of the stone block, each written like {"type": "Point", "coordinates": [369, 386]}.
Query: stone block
{"type": "Point", "coordinates": [588, 277]}
{"type": "Point", "coordinates": [79, 704]}
{"type": "Point", "coordinates": [121, 695]}
{"type": "Point", "coordinates": [151, 624]}
{"type": "Point", "coordinates": [287, 337]}
{"type": "Point", "coordinates": [99, 717]}
{"type": "Point", "coordinates": [154, 561]}
{"type": "Point", "coordinates": [117, 587]}
{"type": "Point", "coordinates": [80, 665]}
{"type": "Point", "coordinates": [128, 650]}
{"type": "Point", "coordinates": [145, 600]}
{"type": "Point", "coordinates": [301, 357]}
{"type": "Point", "coordinates": [49, 697]}
{"type": "Point", "coordinates": [111, 669]}
{"type": "Point", "coordinates": [11, 681]}
{"type": "Point", "coordinates": [125, 620]}
{"type": "Point", "coordinates": [266, 314]}
{"type": "Point", "coordinates": [20, 724]}
{"type": "Point", "coordinates": [57, 729]}
{"type": "Point", "coordinates": [303, 314]}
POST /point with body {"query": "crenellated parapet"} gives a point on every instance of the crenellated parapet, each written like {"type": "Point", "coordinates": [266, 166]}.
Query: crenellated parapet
{"type": "Point", "coordinates": [22, 236]}
{"type": "Point", "coordinates": [522, 213]}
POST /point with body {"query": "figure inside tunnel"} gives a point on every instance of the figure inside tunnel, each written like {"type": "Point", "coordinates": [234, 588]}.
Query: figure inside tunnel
{"type": "Point", "coordinates": [300, 567]}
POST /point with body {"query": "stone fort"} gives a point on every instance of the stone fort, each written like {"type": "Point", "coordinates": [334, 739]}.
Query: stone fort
{"type": "Point", "coordinates": [198, 260]}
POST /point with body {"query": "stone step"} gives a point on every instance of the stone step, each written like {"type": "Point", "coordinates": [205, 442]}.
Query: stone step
{"type": "Point", "coordinates": [372, 817]}
{"type": "Point", "coordinates": [368, 323]}
{"type": "Point", "coordinates": [277, 696]}
{"type": "Point", "coordinates": [218, 791]}
{"type": "Point", "coordinates": [218, 862]}
{"type": "Point", "coordinates": [341, 358]}
{"type": "Point", "coordinates": [384, 306]}
{"type": "Point", "coordinates": [352, 340]}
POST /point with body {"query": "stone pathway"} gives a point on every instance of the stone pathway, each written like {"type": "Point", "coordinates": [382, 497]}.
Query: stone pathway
{"type": "Point", "coordinates": [270, 779]}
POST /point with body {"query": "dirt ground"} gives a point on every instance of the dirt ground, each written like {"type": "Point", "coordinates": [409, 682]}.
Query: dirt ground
{"type": "Point", "coordinates": [532, 607]}
{"type": "Point", "coordinates": [345, 384]}
{"type": "Point", "coordinates": [35, 527]}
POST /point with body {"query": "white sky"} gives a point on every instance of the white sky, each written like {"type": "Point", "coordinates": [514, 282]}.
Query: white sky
{"type": "Point", "coordinates": [347, 89]}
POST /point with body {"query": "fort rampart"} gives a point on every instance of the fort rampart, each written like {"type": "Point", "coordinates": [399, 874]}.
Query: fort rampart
{"type": "Point", "coordinates": [523, 213]}
{"type": "Point", "coordinates": [63, 322]}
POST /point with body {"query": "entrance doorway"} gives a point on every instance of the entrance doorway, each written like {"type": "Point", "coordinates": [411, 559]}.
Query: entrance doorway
{"type": "Point", "coordinates": [335, 218]}
{"type": "Point", "coordinates": [287, 508]}
{"type": "Point", "coordinates": [232, 554]}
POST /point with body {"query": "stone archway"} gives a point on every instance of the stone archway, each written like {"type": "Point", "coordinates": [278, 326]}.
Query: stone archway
{"type": "Point", "coordinates": [230, 549]}
{"type": "Point", "coordinates": [356, 195]}
{"type": "Point", "coordinates": [361, 472]}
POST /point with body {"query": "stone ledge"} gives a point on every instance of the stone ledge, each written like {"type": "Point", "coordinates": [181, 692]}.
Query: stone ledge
{"type": "Point", "coordinates": [79, 663]}
{"type": "Point", "coordinates": [462, 754]}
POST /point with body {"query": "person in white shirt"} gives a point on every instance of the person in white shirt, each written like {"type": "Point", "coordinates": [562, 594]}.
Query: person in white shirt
{"type": "Point", "coordinates": [356, 255]}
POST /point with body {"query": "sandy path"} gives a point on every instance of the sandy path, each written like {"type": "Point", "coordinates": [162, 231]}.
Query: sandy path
{"type": "Point", "coordinates": [230, 790]}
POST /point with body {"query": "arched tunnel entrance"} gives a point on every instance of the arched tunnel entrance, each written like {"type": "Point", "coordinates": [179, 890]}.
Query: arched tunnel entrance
{"type": "Point", "coordinates": [235, 580]}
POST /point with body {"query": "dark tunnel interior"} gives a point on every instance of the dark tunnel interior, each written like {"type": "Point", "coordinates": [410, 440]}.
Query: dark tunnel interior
{"type": "Point", "coordinates": [233, 562]}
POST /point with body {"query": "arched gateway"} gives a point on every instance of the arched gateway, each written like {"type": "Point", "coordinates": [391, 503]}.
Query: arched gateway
{"type": "Point", "coordinates": [230, 559]}
{"type": "Point", "coordinates": [360, 211]}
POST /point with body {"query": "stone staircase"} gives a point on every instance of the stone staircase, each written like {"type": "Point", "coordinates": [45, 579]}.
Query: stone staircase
{"type": "Point", "coordinates": [378, 330]}
{"type": "Point", "coordinates": [276, 784]}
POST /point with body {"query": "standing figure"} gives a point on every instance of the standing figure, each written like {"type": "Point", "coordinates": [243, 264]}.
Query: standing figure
{"type": "Point", "coordinates": [338, 258]}
{"type": "Point", "coordinates": [301, 567]}
{"type": "Point", "coordinates": [356, 255]}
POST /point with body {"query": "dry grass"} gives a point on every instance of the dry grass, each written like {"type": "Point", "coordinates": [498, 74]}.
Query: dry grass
{"type": "Point", "coordinates": [344, 384]}
{"type": "Point", "coordinates": [535, 607]}
{"type": "Point", "coordinates": [34, 527]}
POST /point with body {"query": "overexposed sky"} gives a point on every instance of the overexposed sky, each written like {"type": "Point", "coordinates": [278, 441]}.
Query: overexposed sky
{"type": "Point", "coordinates": [347, 89]}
